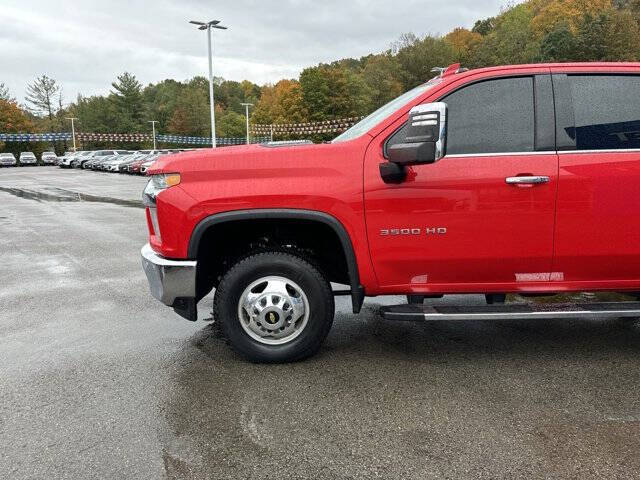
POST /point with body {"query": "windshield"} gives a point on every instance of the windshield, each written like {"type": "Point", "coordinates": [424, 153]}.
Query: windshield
{"type": "Point", "coordinates": [376, 117]}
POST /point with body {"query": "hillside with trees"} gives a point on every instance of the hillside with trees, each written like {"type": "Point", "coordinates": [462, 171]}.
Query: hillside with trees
{"type": "Point", "coordinates": [529, 32]}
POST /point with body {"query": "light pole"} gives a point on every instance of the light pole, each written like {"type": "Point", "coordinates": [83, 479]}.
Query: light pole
{"type": "Point", "coordinates": [153, 125]}
{"type": "Point", "coordinates": [208, 26]}
{"type": "Point", "coordinates": [73, 131]}
{"type": "Point", "coordinates": [246, 106]}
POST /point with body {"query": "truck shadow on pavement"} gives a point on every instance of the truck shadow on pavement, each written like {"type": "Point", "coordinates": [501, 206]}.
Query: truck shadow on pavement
{"type": "Point", "coordinates": [516, 399]}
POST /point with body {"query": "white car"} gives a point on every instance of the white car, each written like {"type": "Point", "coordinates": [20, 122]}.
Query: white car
{"type": "Point", "coordinates": [65, 161]}
{"type": "Point", "coordinates": [97, 155]}
{"type": "Point", "coordinates": [49, 158]}
{"type": "Point", "coordinates": [28, 158]}
{"type": "Point", "coordinates": [7, 160]}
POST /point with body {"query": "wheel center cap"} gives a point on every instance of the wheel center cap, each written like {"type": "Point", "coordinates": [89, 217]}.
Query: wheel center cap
{"type": "Point", "coordinates": [272, 318]}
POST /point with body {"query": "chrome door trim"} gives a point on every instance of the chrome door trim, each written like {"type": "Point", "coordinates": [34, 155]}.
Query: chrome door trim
{"type": "Point", "coordinates": [502, 154]}
{"type": "Point", "coordinates": [612, 150]}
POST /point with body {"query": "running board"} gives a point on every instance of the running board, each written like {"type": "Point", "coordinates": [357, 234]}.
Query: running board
{"type": "Point", "coordinates": [514, 311]}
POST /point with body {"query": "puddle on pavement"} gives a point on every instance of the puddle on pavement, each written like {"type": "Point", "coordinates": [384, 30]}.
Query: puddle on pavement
{"type": "Point", "coordinates": [62, 195]}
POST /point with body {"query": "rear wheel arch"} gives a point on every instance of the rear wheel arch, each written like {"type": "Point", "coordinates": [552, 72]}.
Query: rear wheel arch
{"type": "Point", "coordinates": [313, 216]}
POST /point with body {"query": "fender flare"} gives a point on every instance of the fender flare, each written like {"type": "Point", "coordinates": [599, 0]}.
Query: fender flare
{"type": "Point", "coordinates": [357, 290]}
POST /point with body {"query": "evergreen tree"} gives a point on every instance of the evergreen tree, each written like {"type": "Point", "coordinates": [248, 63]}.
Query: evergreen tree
{"type": "Point", "coordinates": [127, 100]}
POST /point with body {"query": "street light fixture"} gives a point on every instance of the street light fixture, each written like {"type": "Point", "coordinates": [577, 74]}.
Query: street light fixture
{"type": "Point", "coordinates": [73, 131]}
{"type": "Point", "coordinates": [153, 125]}
{"type": "Point", "coordinates": [208, 26]}
{"type": "Point", "coordinates": [247, 105]}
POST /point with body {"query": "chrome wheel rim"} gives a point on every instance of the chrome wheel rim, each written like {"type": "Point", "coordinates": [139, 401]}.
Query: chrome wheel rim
{"type": "Point", "coordinates": [273, 310]}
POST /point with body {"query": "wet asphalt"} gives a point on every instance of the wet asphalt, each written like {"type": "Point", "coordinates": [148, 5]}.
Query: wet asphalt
{"type": "Point", "coordinates": [98, 380]}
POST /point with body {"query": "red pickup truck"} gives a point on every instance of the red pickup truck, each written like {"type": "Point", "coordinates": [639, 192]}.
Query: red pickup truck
{"type": "Point", "coordinates": [520, 179]}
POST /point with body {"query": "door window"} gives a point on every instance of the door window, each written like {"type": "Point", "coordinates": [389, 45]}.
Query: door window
{"type": "Point", "coordinates": [607, 111]}
{"type": "Point", "coordinates": [493, 116]}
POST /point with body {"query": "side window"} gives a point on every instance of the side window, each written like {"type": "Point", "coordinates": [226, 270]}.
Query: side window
{"type": "Point", "coordinates": [607, 111]}
{"type": "Point", "coordinates": [396, 137]}
{"type": "Point", "coordinates": [495, 116]}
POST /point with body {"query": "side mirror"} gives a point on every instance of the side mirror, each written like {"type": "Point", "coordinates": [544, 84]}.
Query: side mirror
{"type": "Point", "coordinates": [426, 137]}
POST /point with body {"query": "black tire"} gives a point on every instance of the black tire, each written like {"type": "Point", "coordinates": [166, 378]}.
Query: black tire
{"type": "Point", "coordinates": [316, 288]}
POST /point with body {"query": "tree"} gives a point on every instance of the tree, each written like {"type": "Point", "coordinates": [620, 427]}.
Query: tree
{"type": "Point", "coordinates": [231, 125]}
{"type": "Point", "coordinates": [622, 36]}
{"type": "Point", "coordinates": [191, 113]}
{"type": "Point", "coordinates": [484, 27]}
{"type": "Point", "coordinates": [417, 57]}
{"type": "Point", "coordinates": [549, 13]}
{"type": "Point", "coordinates": [280, 103]}
{"type": "Point", "coordinates": [127, 100]}
{"type": "Point", "coordinates": [160, 100]}
{"type": "Point", "coordinates": [5, 94]}
{"type": "Point", "coordinates": [14, 120]}
{"type": "Point", "coordinates": [380, 75]}
{"type": "Point", "coordinates": [590, 38]}
{"type": "Point", "coordinates": [464, 43]}
{"type": "Point", "coordinates": [41, 94]}
{"type": "Point", "coordinates": [559, 45]}
{"type": "Point", "coordinates": [511, 41]}
{"type": "Point", "coordinates": [330, 92]}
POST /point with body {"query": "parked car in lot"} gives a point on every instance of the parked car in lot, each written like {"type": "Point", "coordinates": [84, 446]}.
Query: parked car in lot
{"type": "Point", "coordinates": [110, 164]}
{"type": "Point", "coordinates": [28, 158]}
{"type": "Point", "coordinates": [123, 165]}
{"type": "Point", "coordinates": [98, 155]}
{"type": "Point", "coordinates": [49, 158]}
{"type": "Point", "coordinates": [95, 163]}
{"type": "Point", "coordinates": [520, 179]}
{"type": "Point", "coordinates": [148, 163]}
{"type": "Point", "coordinates": [134, 167]}
{"type": "Point", "coordinates": [68, 159]}
{"type": "Point", "coordinates": [7, 160]}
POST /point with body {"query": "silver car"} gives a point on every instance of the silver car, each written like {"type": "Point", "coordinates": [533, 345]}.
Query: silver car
{"type": "Point", "coordinates": [7, 160]}
{"type": "Point", "coordinates": [97, 155]}
{"type": "Point", "coordinates": [28, 158]}
{"type": "Point", "coordinates": [49, 158]}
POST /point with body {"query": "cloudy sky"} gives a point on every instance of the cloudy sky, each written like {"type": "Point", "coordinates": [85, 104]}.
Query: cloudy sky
{"type": "Point", "coordinates": [85, 44]}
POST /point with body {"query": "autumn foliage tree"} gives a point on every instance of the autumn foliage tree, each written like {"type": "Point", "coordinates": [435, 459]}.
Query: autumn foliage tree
{"type": "Point", "coordinates": [14, 120]}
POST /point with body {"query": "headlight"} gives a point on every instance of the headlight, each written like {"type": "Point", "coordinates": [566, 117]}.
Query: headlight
{"type": "Point", "coordinates": [159, 183]}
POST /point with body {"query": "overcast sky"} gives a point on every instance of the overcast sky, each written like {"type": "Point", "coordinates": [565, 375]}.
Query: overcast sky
{"type": "Point", "coordinates": [85, 44]}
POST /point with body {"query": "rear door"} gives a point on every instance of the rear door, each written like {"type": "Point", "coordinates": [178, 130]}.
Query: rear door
{"type": "Point", "coordinates": [598, 216]}
{"type": "Point", "coordinates": [463, 222]}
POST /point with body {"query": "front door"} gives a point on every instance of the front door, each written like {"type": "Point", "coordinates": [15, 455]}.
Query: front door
{"type": "Point", "coordinates": [471, 218]}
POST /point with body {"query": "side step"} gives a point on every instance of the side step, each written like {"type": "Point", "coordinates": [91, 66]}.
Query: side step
{"type": "Point", "coordinates": [514, 311]}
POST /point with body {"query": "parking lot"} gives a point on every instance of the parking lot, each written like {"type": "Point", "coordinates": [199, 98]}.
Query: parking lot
{"type": "Point", "coordinates": [101, 381]}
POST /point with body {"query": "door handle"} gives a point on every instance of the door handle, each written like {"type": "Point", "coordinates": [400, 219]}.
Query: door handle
{"type": "Point", "coordinates": [529, 180]}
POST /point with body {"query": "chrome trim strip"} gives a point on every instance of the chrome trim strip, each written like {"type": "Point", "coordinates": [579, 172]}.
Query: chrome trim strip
{"type": "Point", "coordinates": [621, 150]}
{"type": "Point", "coordinates": [575, 314]}
{"type": "Point", "coordinates": [502, 154]}
{"type": "Point", "coordinates": [520, 311]}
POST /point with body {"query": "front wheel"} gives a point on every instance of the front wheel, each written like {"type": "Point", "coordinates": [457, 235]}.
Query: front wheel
{"type": "Point", "coordinates": [274, 307]}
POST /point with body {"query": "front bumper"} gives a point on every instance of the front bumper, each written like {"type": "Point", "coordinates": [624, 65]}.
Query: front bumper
{"type": "Point", "coordinates": [173, 282]}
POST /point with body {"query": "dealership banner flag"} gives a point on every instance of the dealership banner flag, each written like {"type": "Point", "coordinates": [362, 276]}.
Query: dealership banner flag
{"type": "Point", "coordinates": [124, 137]}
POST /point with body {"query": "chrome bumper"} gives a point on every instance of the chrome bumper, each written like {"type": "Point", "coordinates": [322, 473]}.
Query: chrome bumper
{"type": "Point", "coordinates": [169, 280]}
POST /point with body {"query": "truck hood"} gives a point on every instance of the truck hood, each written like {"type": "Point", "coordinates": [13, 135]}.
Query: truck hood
{"type": "Point", "coordinates": [248, 157]}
